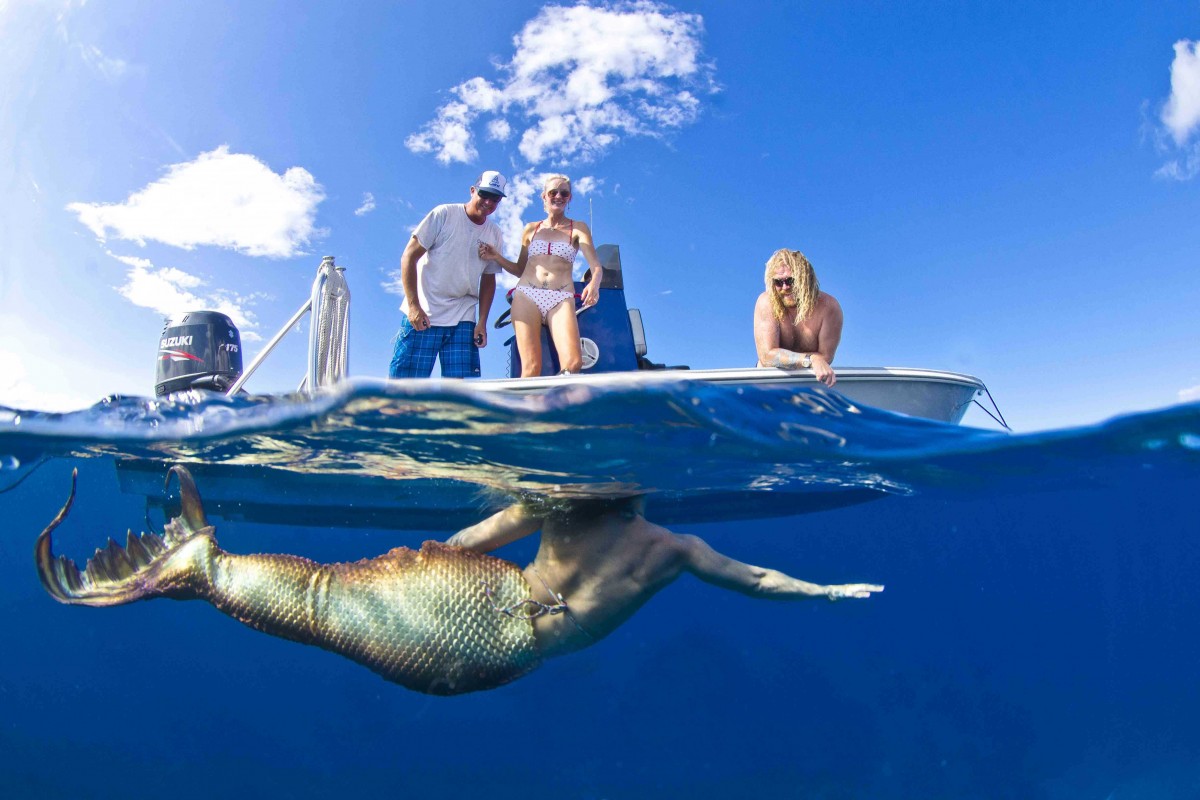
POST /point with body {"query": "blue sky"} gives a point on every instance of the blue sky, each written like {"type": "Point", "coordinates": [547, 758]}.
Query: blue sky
{"type": "Point", "coordinates": [1005, 189]}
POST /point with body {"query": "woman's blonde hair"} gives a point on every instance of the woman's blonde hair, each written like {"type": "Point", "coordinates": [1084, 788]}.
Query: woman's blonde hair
{"type": "Point", "coordinates": [549, 179]}
{"type": "Point", "coordinates": [805, 286]}
{"type": "Point", "coordinates": [545, 187]}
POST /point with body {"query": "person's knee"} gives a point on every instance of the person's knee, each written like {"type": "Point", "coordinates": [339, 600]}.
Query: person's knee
{"type": "Point", "coordinates": [531, 367]}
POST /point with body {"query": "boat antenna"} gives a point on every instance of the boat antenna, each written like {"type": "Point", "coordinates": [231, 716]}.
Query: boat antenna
{"type": "Point", "coordinates": [591, 223]}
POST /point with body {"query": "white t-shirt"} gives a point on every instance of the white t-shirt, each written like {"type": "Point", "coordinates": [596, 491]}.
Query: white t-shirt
{"type": "Point", "coordinates": [448, 274]}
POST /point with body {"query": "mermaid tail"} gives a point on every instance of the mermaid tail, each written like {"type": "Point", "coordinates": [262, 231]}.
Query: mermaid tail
{"type": "Point", "coordinates": [147, 566]}
{"type": "Point", "coordinates": [423, 619]}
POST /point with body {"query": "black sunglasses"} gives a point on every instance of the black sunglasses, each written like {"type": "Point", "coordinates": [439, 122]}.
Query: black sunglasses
{"type": "Point", "coordinates": [489, 196]}
{"type": "Point", "coordinates": [782, 282]}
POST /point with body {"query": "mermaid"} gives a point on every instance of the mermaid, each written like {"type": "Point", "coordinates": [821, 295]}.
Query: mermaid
{"type": "Point", "coordinates": [445, 619]}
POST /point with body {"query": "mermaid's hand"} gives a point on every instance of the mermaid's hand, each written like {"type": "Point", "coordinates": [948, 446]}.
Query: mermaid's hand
{"type": "Point", "coordinates": [844, 590]}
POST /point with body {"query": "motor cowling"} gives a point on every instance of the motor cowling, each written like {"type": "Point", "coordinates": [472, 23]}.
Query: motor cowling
{"type": "Point", "coordinates": [198, 350]}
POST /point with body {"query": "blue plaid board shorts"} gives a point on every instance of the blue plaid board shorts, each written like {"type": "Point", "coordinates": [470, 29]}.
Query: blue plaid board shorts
{"type": "Point", "coordinates": [452, 345]}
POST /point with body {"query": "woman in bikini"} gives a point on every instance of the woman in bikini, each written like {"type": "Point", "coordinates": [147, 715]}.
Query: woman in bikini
{"type": "Point", "coordinates": [545, 295]}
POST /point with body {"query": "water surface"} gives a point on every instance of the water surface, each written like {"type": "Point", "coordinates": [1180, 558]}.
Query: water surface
{"type": "Point", "coordinates": [1036, 638]}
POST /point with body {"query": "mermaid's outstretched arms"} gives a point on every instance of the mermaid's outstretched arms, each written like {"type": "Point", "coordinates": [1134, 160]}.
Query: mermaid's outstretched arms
{"type": "Point", "coordinates": [720, 570]}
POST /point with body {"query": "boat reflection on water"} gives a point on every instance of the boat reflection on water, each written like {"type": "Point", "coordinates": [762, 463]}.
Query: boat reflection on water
{"type": "Point", "coordinates": [435, 455]}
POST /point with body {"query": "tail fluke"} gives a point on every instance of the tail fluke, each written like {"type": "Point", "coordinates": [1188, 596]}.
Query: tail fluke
{"type": "Point", "coordinates": [115, 575]}
{"type": "Point", "coordinates": [191, 515]}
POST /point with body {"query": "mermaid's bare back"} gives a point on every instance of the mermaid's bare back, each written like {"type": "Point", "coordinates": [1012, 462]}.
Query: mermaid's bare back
{"type": "Point", "coordinates": [425, 619]}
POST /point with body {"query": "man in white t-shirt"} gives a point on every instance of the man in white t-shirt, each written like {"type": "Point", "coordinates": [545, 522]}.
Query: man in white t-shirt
{"type": "Point", "coordinates": [448, 288]}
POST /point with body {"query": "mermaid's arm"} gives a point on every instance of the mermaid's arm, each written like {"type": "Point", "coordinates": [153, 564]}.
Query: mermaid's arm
{"type": "Point", "coordinates": [509, 525]}
{"type": "Point", "coordinates": [720, 570]}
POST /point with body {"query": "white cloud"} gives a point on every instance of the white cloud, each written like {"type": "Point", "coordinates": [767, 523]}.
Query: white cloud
{"type": "Point", "coordinates": [111, 69]}
{"type": "Point", "coordinates": [499, 130]}
{"type": "Point", "coordinates": [582, 77]}
{"type": "Point", "coordinates": [588, 184]}
{"type": "Point", "coordinates": [1184, 168]}
{"type": "Point", "coordinates": [18, 391]}
{"type": "Point", "coordinates": [448, 135]}
{"type": "Point", "coordinates": [368, 205]}
{"type": "Point", "coordinates": [1181, 114]}
{"type": "Point", "coordinates": [1189, 395]}
{"type": "Point", "coordinates": [168, 290]}
{"type": "Point", "coordinates": [223, 199]}
{"type": "Point", "coordinates": [392, 284]}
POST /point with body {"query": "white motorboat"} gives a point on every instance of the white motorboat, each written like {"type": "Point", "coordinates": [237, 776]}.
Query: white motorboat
{"type": "Point", "coordinates": [202, 349]}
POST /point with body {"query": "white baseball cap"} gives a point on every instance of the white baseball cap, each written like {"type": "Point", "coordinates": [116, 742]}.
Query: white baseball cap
{"type": "Point", "coordinates": [492, 181]}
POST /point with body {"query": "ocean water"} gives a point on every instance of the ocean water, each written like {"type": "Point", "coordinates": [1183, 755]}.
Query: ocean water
{"type": "Point", "coordinates": [1037, 637]}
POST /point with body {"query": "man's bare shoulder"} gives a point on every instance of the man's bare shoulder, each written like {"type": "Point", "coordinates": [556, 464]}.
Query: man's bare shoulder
{"type": "Point", "coordinates": [827, 305]}
{"type": "Point", "coordinates": [762, 306]}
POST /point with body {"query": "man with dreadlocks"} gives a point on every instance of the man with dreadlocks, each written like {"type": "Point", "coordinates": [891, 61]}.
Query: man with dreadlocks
{"type": "Point", "coordinates": [795, 323]}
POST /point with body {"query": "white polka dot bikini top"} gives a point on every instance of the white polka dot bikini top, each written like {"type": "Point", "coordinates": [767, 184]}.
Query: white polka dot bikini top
{"type": "Point", "coordinates": [542, 247]}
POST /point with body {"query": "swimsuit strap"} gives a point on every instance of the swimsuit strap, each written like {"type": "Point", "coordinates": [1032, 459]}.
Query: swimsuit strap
{"type": "Point", "coordinates": [530, 609]}
{"type": "Point", "coordinates": [562, 604]}
{"type": "Point", "coordinates": [570, 234]}
{"type": "Point", "coordinates": [526, 609]}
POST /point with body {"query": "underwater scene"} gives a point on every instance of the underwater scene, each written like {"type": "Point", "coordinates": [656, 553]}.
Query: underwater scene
{"type": "Point", "coordinates": [1036, 636]}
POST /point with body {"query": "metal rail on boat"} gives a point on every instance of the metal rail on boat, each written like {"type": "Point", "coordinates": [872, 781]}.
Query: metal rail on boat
{"type": "Point", "coordinates": [328, 337]}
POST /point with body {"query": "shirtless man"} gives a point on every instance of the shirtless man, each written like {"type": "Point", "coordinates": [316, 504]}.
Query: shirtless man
{"type": "Point", "coordinates": [445, 619]}
{"type": "Point", "coordinates": [795, 323]}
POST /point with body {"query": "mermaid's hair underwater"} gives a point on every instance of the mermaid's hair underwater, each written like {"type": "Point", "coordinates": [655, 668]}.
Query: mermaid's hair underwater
{"type": "Point", "coordinates": [578, 509]}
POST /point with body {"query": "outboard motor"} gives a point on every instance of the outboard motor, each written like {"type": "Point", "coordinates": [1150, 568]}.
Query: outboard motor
{"type": "Point", "coordinates": [198, 350]}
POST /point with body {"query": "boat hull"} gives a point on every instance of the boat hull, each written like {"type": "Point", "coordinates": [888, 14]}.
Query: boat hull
{"type": "Point", "coordinates": [925, 393]}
